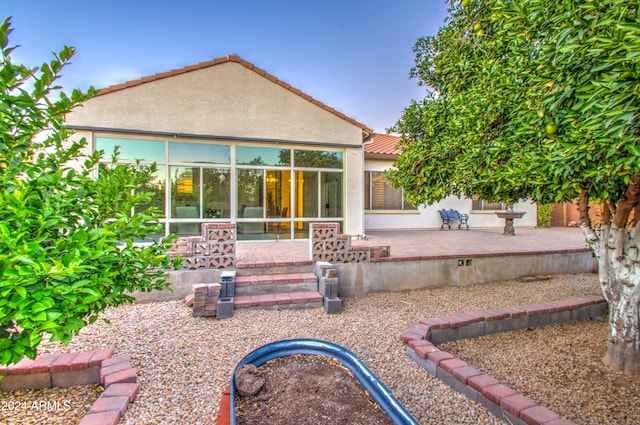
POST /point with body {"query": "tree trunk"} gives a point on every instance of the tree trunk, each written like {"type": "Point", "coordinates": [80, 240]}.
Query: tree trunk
{"type": "Point", "coordinates": [619, 274]}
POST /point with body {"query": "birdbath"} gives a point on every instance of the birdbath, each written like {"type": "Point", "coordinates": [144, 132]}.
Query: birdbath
{"type": "Point", "coordinates": [508, 220]}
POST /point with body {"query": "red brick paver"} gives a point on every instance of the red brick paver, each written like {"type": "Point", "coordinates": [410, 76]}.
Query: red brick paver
{"type": "Point", "coordinates": [438, 356]}
{"type": "Point", "coordinates": [123, 376]}
{"type": "Point", "coordinates": [464, 373]}
{"type": "Point", "coordinates": [99, 356]}
{"type": "Point", "coordinates": [129, 390]}
{"type": "Point", "coordinates": [449, 364]}
{"type": "Point", "coordinates": [497, 392]}
{"type": "Point", "coordinates": [101, 418]}
{"type": "Point", "coordinates": [480, 382]}
{"type": "Point", "coordinates": [538, 415]}
{"type": "Point", "coordinates": [516, 403]}
{"type": "Point", "coordinates": [110, 404]}
{"type": "Point", "coordinates": [423, 244]}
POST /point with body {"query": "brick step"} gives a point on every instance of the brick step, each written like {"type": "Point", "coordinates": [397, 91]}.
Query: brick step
{"type": "Point", "coordinates": [276, 283]}
{"type": "Point", "coordinates": [280, 300]}
{"type": "Point", "coordinates": [273, 267]}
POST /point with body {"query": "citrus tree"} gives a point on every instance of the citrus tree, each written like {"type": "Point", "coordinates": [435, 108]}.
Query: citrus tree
{"type": "Point", "coordinates": [538, 99]}
{"type": "Point", "coordinates": [67, 237]}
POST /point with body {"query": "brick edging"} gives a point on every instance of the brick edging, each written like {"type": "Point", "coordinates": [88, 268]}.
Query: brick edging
{"type": "Point", "coordinates": [83, 368]}
{"type": "Point", "coordinates": [423, 337]}
{"type": "Point", "coordinates": [224, 411]}
{"type": "Point", "coordinates": [474, 255]}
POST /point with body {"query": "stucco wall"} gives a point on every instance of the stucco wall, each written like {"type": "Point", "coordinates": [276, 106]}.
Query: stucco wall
{"type": "Point", "coordinates": [354, 183]}
{"type": "Point", "coordinates": [222, 100]}
{"type": "Point", "coordinates": [427, 217]}
{"type": "Point", "coordinates": [363, 278]}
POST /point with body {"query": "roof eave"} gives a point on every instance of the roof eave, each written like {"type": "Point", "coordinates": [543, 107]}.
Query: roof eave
{"type": "Point", "coordinates": [391, 157]}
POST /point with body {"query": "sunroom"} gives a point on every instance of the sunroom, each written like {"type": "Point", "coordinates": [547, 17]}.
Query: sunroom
{"type": "Point", "coordinates": [232, 143]}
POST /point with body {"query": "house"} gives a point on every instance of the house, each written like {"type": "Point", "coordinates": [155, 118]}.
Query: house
{"type": "Point", "coordinates": [233, 143]}
{"type": "Point", "coordinates": [385, 209]}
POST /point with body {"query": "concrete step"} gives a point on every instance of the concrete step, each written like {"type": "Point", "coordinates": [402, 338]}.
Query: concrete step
{"type": "Point", "coordinates": [275, 283]}
{"type": "Point", "coordinates": [280, 300]}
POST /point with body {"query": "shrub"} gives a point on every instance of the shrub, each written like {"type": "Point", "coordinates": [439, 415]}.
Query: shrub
{"type": "Point", "coordinates": [544, 215]}
{"type": "Point", "coordinates": [67, 236]}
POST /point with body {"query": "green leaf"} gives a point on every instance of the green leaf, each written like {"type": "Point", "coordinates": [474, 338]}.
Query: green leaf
{"type": "Point", "coordinates": [25, 260]}
{"type": "Point", "coordinates": [629, 26]}
{"type": "Point", "coordinates": [74, 324]}
{"type": "Point", "coordinates": [48, 325]}
{"type": "Point", "coordinates": [22, 292]}
{"type": "Point", "coordinates": [39, 317]}
{"type": "Point", "coordinates": [38, 307]}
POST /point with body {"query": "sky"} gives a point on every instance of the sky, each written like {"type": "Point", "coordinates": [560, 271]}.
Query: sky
{"type": "Point", "coordinates": [353, 55]}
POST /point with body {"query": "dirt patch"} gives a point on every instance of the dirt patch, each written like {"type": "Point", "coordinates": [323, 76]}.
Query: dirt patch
{"type": "Point", "coordinates": [308, 389]}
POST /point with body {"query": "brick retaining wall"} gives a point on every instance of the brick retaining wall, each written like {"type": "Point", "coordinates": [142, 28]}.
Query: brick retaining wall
{"type": "Point", "coordinates": [114, 373]}
{"type": "Point", "coordinates": [505, 403]}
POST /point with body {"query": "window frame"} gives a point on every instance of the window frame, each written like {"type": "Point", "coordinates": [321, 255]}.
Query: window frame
{"type": "Point", "coordinates": [368, 194]}
{"type": "Point", "coordinates": [481, 205]}
{"type": "Point", "coordinates": [234, 164]}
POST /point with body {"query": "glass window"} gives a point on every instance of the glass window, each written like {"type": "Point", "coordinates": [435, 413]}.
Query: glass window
{"type": "Point", "coordinates": [216, 192]}
{"type": "Point", "coordinates": [185, 229]}
{"type": "Point", "coordinates": [317, 159]}
{"type": "Point", "coordinates": [482, 205]}
{"type": "Point", "coordinates": [383, 196]}
{"type": "Point", "coordinates": [250, 199]}
{"type": "Point", "coordinates": [331, 200]}
{"type": "Point", "coordinates": [193, 184]}
{"type": "Point", "coordinates": [185, 192]}
{"type": "Point", "coordinates": [199, 152]}
{"type": "Point", "coordinates": [251, 155]}
{"type": "Point", "coordinates": [380, 195]}
{"type": "Point", "coordinates": [156, 186]}
{"type": "Point", "coordinates": [278, 193]}
{"type": "Point", "coordinates": [132, 149]}
{"type": "Point", "coordinates": [307, 194]}
{"type": "Point", "coordinates": [367, 190]}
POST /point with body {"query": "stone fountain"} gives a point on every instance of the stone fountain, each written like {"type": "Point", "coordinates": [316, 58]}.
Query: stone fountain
{"type": "Point", "coordinates": [509, 215]}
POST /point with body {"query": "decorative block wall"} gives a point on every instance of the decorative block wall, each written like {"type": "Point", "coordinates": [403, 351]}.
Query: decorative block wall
{"type": "Point", "coordinates": [327, 244]}
{"type": "Point", "coordinates": [214, 249]}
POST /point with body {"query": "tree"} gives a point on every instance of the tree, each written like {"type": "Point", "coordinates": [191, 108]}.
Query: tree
{"type": "Point", "coordinates": [67, 247]}
{"type": "Point", "coordinates": [538, 99]}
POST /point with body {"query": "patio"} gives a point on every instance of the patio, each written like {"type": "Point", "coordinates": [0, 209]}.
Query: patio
{"type": "Point", "coordinates": [429, 243]}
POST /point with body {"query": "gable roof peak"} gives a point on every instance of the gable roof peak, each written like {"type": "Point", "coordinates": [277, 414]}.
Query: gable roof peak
{"type": "Point", "coordinates": [367, 132]}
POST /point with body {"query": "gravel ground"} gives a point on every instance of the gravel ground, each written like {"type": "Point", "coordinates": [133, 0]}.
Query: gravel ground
{"type": "Point", "coordinates": [571, 354]}
{"type": "Point", "coordinates": [50, 406]}
{"type": "Point", "coordinates": [184, 363]}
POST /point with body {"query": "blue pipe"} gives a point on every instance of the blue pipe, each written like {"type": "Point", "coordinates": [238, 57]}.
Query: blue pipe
{"type": "Point", "coordinates": [378, 391]}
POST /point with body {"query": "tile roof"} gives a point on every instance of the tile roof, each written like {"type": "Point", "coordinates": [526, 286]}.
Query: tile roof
{"type": "Point", "coordinates": [248, 65]}
{"type": "Point", "coordinates": [383, 146]}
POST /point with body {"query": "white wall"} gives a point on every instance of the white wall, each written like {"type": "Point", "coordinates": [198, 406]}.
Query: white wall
{"type": "Point", "coordinates": [427, 217]}
{"type": "Point", "coordinates": [354, 182]}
